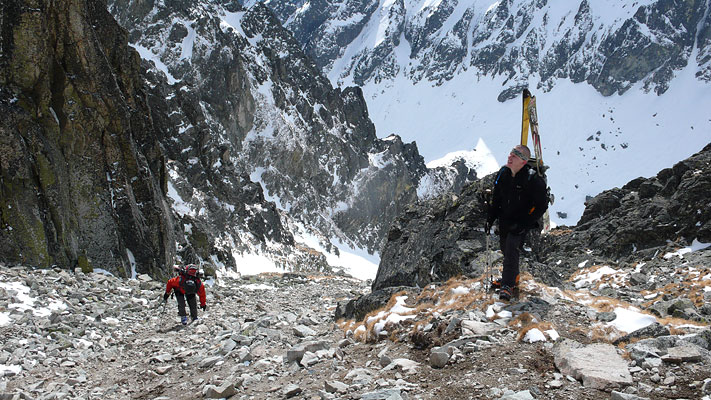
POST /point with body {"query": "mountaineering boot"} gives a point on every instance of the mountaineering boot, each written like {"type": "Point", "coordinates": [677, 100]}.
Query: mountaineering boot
{"type": "Point", "coordinates": [194, 320]}
{"type": "Point", "coordinates": [496, 285]}
{"type": "Point", "coordinates": [184, 320]}
{"type": "Point", "coordinates": [505, 293]}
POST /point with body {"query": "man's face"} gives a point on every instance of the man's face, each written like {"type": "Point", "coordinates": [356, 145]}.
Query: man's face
{"type": "Point", "coordinates": [516, 160]}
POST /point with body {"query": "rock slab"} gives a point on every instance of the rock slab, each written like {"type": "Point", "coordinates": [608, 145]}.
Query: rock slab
{"type": "Point", "coordinates": [598, 365]}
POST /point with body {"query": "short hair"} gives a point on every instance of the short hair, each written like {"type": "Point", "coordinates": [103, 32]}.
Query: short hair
{"type": "Point", "coordinates": [524, 150]}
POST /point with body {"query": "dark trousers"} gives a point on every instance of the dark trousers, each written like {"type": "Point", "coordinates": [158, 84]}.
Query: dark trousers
{"type": "Point", "coordinates": [192, 302]}
{"type": "Point", "coordinates": [511, 244]}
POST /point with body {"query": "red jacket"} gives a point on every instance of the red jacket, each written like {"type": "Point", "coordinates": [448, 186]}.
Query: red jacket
{"type": "Point", "coordinates": [174, 283]}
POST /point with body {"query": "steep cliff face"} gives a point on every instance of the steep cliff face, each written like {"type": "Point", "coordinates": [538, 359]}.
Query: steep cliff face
{"type": "Point", "coordinates": [266, 111]}
{"type": "Point", "coordinates": [82, 173]}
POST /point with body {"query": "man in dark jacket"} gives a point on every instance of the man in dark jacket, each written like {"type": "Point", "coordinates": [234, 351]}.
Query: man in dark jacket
{"type": "Point", "coordinates": [520, 199]}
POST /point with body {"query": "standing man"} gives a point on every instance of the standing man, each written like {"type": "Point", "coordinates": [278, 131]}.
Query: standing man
{"type": "Point", "coordinates": [186, 285]}
{"type": "Point", "coordinates": [520, 199]}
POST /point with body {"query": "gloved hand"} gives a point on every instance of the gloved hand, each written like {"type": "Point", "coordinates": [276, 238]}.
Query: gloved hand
{"type": "Point", "coordinates": [203, 307]}
{"type": "Point", "coordinates": [488, 224]}
{"type": "Point", "coordinates": [165, 297]}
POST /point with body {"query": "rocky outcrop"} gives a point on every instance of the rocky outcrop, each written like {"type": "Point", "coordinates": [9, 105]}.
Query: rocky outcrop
{"type": "Point", "coordinates": [82, 173]}
{"type": "Point", "coordinates": [643, 216]}
{"type": "Point", "coordinates": [435, 240]}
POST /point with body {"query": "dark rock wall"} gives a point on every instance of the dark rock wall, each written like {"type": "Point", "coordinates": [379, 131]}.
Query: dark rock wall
{"type": "Point", "coordinates": [81, 168]}
{"type": "Point", "coordinates": [436, 240]}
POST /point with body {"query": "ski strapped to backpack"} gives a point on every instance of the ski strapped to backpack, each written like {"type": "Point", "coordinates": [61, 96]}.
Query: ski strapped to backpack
{"type": "Point", "coordinates": [530, 120]}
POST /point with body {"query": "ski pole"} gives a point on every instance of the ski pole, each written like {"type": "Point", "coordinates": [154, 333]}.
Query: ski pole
{"type": "Point", "coordinates": [487, 270]}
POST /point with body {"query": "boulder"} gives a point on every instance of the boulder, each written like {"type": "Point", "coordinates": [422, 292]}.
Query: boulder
{"type": "Point", "coordinates": [598, 365]}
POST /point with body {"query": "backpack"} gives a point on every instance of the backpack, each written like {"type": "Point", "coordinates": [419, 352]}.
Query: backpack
{"type": "Point", "coordinates": [189, 280]}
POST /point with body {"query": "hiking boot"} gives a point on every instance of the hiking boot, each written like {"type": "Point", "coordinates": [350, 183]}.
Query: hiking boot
{"type": "Point", "coordinates": [505, 293]}
{"type": "Point", "coordinates": [497, 284]}
{"type": "Point", "coordinates": [184, 320]}
{"type": "Point", "coordinates": [194, 320]}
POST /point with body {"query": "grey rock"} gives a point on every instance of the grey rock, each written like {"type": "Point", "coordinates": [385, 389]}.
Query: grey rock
{"type": "Point", "coordinates": [638, 278]}
{"type": "Point", "coordinates": [335, 387]}
{"type": "Point", "coordinates": [345, 343]}
{"type": "Point", "coordinates": [555, 384]}
{"type": "Point", "coordinates": [221, 392]}
{"type": "Point", "coordinates": [387, 394]}
{"type": "Point", "coordinates": [210, 361]}
{"type": "Point", "coordinates": [681, 354]}
{"type": "Point", "coordinates": [478, 328]}
{"type": "Point", "coordinates": [653, 330]}
{"type": "Point", "coordinates": [227, 346]}
{"type": "Point", "coordinates": [615, 395]}
{"type": "Point", "coordinates": [291, 390]}
{"type": "Point", "coordinates": [439, 359]}
{"type": "Point", "coordinates": [598, 366]}
{"type": "Point", "coordinates": [522, 395]}
{"type": "Point", "coordinates": [706, 388]}
{"type": "Point", "coordinates": [309, 359]}
{"type": "Point", "coordinates": [303, 331]}
{"type": "Point", "coordinates": [606, 316]}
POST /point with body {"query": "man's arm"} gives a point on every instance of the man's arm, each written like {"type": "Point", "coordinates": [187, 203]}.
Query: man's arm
{"type": "Point", "coordinates": [540, 201]}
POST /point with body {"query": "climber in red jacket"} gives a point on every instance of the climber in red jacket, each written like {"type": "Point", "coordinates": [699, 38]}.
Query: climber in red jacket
{"type": "Point", "coordinates": [186, 285]}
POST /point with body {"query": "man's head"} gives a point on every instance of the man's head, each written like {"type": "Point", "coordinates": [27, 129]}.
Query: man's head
{"type": "Point", "coordinates": [518, 158]}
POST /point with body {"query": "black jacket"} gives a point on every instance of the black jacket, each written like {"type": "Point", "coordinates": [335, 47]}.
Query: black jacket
{"type": "Point", "coordinates": [519, 201]}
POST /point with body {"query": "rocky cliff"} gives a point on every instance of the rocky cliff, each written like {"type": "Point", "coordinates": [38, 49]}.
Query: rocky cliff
{"type": "Point", "coordinates": [83, 176]}
{"type": "Point", "coordinates": [265, 110]}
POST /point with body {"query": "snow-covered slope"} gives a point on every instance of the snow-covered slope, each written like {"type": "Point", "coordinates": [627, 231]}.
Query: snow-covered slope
{"type": "Point", "coordinates": [622, 86]}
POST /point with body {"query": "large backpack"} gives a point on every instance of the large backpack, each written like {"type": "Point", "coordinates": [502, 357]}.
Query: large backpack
{"type": "Point", "coordinates": [189, 280]}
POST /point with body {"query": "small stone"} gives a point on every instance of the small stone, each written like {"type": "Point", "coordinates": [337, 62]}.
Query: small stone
{"type": "Point", "coordinates": [335, 387]}
{"type": "Point", "coordinates": [345, 343]}
{"type": "Point", "coordinates": [309, 359]}
{"type": "Point", "coordinates": [706, 388]}
{"type": "Point", "coordinates": [555, 384]}
{"type": "Point", "coordinates": [162, 370]}
{"type": "Point", "coordinates": [606, 316]}
{"type": "Point", "coordinates": [221, 392]}
{"type": "Point", "coordinates": [625, 396]}
{"type": "Point", "coordinates": [209, 362]}
{"type": "Point", "coordinates": [438, 359]}
{"type": "Point", "coordinates": [680, 354]}
{"type": "Point", "coordinates": [387, 394]}
{"type": "Point", "coordinates": [303, 331]}
{"type": "Point", "coordinates": [291, 390]}
{"type": "Point", "coordinates": [523, 395]}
